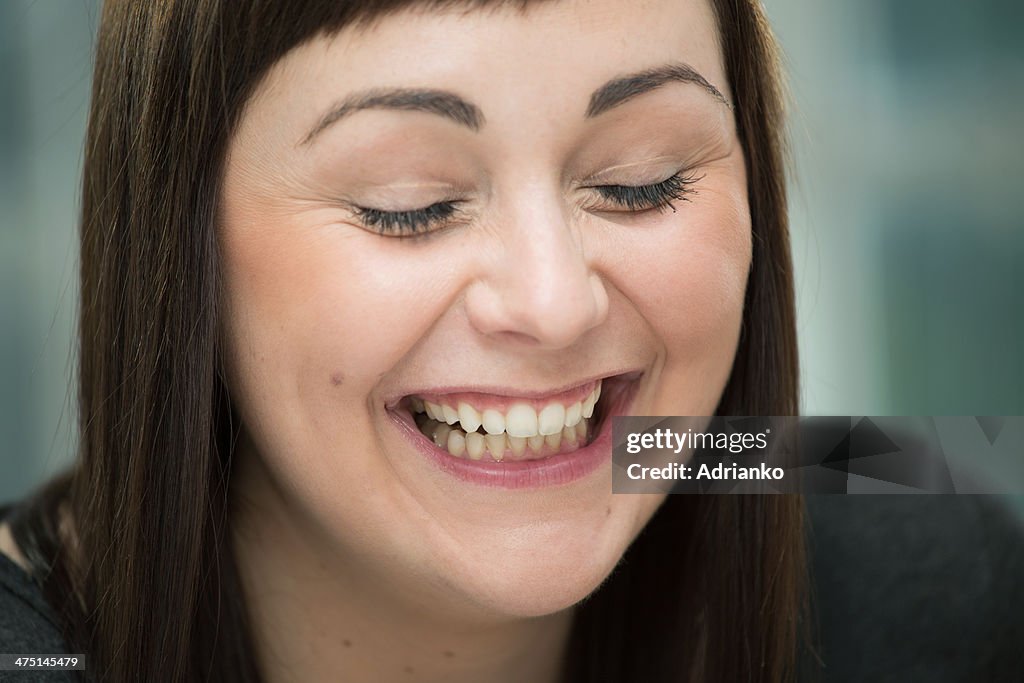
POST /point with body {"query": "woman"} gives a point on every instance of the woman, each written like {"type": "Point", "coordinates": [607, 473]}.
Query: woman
{"type": "Point", "coordinates": [362, 285]}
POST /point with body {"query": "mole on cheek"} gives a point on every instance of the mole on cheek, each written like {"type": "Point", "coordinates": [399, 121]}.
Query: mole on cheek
{"type": "Point", "coordinates": [337, 378]}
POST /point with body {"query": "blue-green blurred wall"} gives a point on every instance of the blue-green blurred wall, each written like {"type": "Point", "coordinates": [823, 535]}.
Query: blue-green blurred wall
{"type": "Point", "coordinates": [45, 52]}
{"type": "Point", "coordinates": [907, 210]}
{"type": "Point", "coordinates": [908, 203]}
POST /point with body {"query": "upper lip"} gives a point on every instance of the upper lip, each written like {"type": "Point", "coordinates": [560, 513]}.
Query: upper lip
{"type": "Point", "coordinates": [510, 392]}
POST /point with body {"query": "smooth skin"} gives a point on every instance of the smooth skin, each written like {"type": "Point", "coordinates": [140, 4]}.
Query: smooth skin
{"type": "Point", "coordinates": [361, 559]}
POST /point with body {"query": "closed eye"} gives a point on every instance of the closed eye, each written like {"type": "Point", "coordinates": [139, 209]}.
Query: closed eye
{"type": "Point", "coordinates": [631, 198]}
{"type": "Point", "coordinates": [636, 198]}
{"type": "Point", "coordinates": [407, 223]}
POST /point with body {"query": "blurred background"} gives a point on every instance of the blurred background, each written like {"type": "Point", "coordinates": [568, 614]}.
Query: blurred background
{"type": "Point", "coordinates": [907, 204]}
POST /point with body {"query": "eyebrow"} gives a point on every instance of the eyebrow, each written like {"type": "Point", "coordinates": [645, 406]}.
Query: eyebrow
{"type": "Point", "coordinates": [446, 104]}
{"type": "Point", "coordinates": [455, 108]}
{"type": "Point", "coordinates": [619, 90]}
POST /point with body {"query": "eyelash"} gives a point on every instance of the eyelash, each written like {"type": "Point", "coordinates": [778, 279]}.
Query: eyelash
{"type": "Point", "coordinates": [657, 196]}
{"type": "Point", "coordinates": [406, 223]}
{"type": "Point", "coordinates": [634, 198]}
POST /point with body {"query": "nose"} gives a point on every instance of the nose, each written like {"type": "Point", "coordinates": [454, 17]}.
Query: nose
{"type": "Point", "coordinates": [536, 286]}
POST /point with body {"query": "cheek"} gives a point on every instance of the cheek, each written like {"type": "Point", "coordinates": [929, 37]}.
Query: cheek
{"type": "Point", "coordinates": [692, 283]}
{"type": "Point", "coordinates": [691, 290]}
{"type": "Point", "coordinates": [703, 276]}
{"type": "Point", "coordinates": [315, 317]}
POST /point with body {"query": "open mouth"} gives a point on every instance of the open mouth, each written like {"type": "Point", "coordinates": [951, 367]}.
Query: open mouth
{"type": "Point", "coordinates": [490, 428]}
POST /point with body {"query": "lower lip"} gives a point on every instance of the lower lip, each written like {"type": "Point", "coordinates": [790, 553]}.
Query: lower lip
{"type": "Point", "coordinates": [556, 470]}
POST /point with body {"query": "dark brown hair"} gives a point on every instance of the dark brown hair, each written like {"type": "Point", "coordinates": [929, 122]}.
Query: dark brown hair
{"type": "Point", "coordinates": [131, 545]}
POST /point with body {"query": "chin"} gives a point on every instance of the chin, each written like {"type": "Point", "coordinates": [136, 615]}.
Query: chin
{"type": "Point", "coordinates": [540, 571]}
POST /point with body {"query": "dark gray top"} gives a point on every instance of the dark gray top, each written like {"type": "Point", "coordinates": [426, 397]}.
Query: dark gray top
{"type": "Point", "coordinates": [919, 587]}
{"type": "Point", "coordinates": [27, 624]}
{"type": "Point", "coordinates": [907, 588]}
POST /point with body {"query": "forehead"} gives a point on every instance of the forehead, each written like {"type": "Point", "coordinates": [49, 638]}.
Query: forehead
{"type": "Point", "coordinates": [549, 56]}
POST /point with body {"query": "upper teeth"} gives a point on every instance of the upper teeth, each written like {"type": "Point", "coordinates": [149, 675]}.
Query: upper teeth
{"type": "Point", "coordinates": [519, 420]}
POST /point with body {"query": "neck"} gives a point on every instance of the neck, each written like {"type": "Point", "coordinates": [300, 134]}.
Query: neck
{"type": "Point", "coordinates": [320, 615]}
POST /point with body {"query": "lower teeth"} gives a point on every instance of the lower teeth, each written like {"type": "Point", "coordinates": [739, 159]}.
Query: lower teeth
{"type": "Point", "coordinates": [497, 447]}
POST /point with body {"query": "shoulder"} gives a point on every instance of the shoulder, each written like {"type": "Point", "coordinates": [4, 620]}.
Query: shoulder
{"type": "Point", "coordinates": [918, 587]}
{"type": "Point", "coordinates": [27, 623]}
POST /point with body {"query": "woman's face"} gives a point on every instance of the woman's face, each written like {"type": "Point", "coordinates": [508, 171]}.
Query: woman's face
{"type": "Point", "coordinates": [483, 217]}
